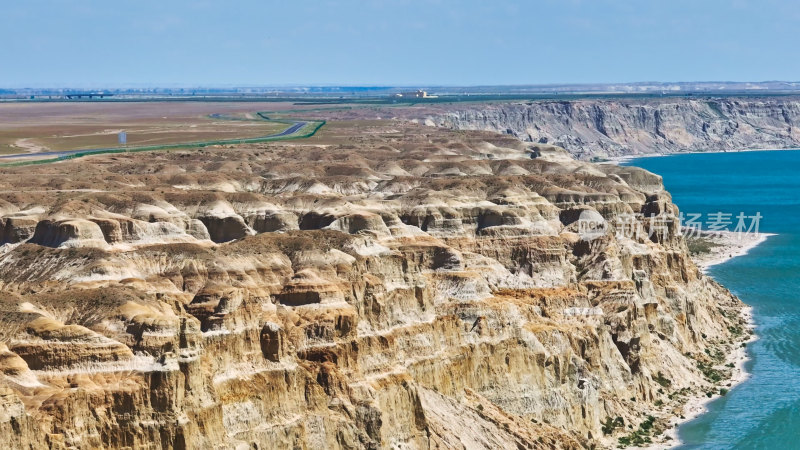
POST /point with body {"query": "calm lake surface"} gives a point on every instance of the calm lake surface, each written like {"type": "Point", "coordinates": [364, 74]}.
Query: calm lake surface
{"type": "Point", "coordinates": [764, 411]}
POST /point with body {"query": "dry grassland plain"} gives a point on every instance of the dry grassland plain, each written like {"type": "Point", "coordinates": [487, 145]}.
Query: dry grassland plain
{"type": "Point", "coordinates": [38, 127]}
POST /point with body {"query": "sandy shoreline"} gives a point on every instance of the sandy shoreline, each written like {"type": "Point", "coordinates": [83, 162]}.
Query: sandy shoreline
{"type": "Point", "coordinates": [697, 406]}
{"type": "Point", "coordinates": [730, 245]}
{"type": "Point", "coordinates": [617, 160]}
{"type": "Point", "coordinates": [726, 245]}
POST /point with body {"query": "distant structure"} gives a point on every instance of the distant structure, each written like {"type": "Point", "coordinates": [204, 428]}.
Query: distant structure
{"type": "Point", "coordinates": [122, 138]}
{"type": "Point", "coordinates": [414, 94]}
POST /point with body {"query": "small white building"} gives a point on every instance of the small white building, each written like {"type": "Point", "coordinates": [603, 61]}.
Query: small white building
{"type": "Point", "coordinates": [414, 94]}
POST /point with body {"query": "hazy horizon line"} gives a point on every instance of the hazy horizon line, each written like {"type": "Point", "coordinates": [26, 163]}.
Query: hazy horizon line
{"type": "Point", "coordinates": [148, 85]}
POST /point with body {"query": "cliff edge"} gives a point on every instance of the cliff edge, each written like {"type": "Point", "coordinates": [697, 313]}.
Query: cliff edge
{"type": "Point", "coordinates": [612, 128]}
{"type": "Point", "coordinates": [382, 285]}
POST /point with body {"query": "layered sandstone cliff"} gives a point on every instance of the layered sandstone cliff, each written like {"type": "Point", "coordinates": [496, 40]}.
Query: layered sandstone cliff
{"type": "Point", "coordinates": [394, 286]}
{"type": "Point", "coordinates": [608, 128]}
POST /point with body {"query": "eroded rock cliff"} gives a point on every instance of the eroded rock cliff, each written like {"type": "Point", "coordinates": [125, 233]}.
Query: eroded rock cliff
{"type": "Point", "coordinates": [603, 128]}
{"type": "Point", "coordinates": [389, 286]}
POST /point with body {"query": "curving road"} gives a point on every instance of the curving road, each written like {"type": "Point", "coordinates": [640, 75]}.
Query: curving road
{"type": "Point", "coordinates": [292, 129]}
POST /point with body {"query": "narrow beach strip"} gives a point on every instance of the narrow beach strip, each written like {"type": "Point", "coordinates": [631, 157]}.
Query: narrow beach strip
{"type": "Point", "coordinates": [725, 245]}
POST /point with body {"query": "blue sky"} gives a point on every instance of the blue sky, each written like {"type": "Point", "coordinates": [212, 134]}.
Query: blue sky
{"type": "Point", "coordinates": [401, 42]}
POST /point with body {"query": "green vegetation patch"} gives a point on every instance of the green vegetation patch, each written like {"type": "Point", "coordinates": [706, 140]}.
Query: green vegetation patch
{"type": "Point", "coordinates": [609, 425]}
{"type": "Point", "coordinates": [662, 380]}
{"type": "Point", "coordinates": [641, 436]}
{"type": "Point", "coordinates": [700, 246]}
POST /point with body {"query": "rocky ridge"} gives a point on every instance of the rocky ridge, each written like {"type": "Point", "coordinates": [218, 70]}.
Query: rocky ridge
{"type": "Point", "coordinates": [612, 128]}
{"type": "Point", "coordinates": [389, 286]}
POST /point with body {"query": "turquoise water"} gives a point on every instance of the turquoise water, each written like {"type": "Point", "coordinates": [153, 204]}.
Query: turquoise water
{"type": "Point", "coordinates": [764, 411]}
